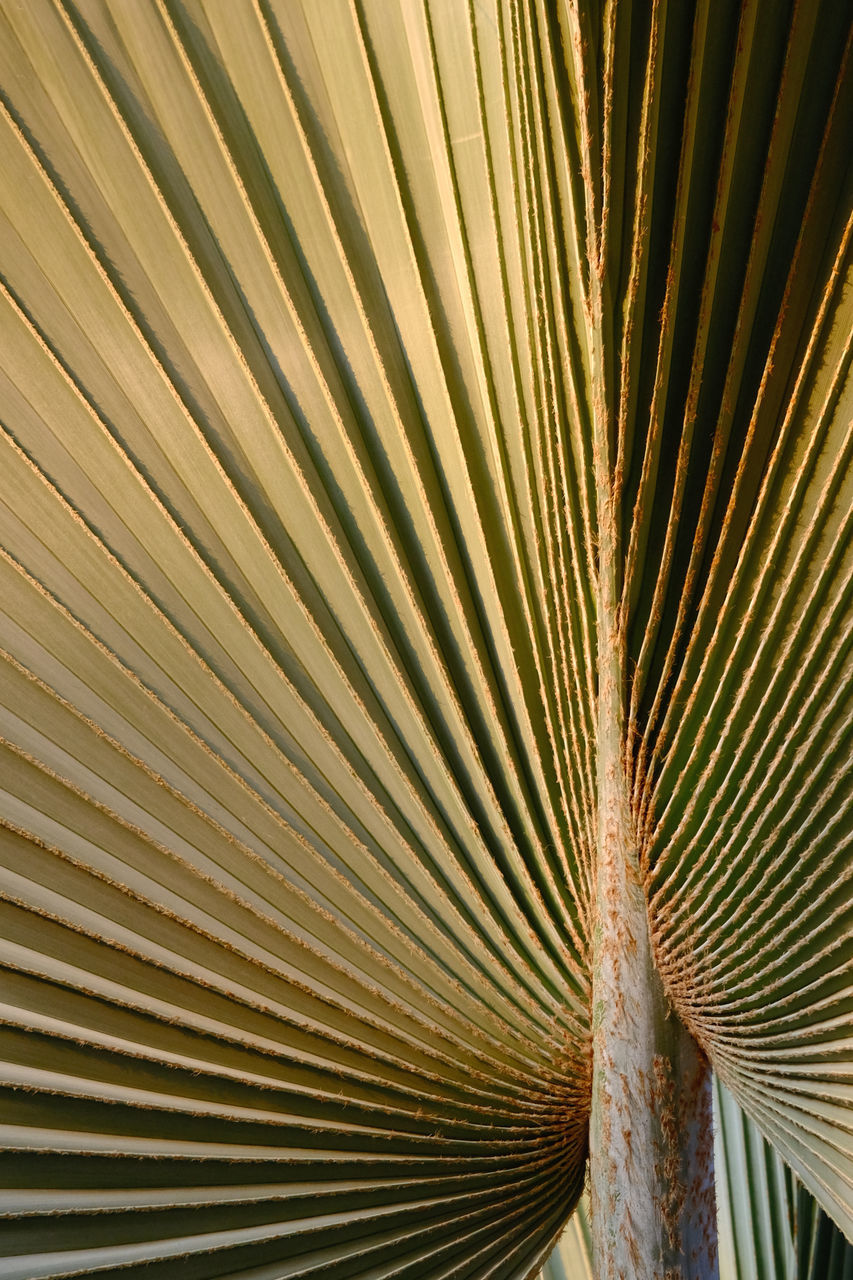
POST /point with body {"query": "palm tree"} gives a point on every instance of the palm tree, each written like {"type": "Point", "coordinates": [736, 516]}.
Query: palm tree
{"type": "Point", "coordinates": [426, 549]}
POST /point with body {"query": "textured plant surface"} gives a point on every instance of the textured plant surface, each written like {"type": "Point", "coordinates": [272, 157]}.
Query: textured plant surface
{"type": "Point", "coordinates": [425, 610]}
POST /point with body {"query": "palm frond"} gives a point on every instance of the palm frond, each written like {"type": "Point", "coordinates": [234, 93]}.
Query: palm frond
{"type": "Point", "coordinates": [770, 1225]}
{"type": "Point", "coordinates": [332, 337]}
{"type": "Point", "coordinates": [571, 1257]}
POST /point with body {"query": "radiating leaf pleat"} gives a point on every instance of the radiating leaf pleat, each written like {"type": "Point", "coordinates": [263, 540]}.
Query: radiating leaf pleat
{"type": "Point", "coordinates": [295, 868]}
{"type": "Point", "coordinates": [742, 792]}
{"type": "Point", "coordinates": [330, 334]}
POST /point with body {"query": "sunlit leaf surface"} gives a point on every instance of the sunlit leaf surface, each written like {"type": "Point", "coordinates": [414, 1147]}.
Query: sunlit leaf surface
{"type": "Point", "coordinates": [308, 312]}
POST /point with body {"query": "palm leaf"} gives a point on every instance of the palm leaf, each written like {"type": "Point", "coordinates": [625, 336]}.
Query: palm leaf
{"type": "Point", "coordinates": [571, 1257]}
{"type": "Point", "coordinates": [343, 345]}
{"type": "Point", "coordinates": [770, 1226]}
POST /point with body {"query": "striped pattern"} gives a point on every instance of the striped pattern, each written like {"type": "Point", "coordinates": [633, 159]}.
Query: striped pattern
{"type": "Point", "coordinates": [308, 313]}
{"type": "Point", "coordinates": [770, 1228]}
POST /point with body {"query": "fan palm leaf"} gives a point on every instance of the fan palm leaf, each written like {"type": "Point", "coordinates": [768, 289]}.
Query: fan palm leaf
{"type": "Point", "coordinates": [426, 441]}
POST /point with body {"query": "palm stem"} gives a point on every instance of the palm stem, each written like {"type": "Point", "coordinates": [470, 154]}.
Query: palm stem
{"type": "Point", "coordinates": [651, 1139]}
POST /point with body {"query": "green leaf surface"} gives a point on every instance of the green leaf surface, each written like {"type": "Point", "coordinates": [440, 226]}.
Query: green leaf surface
{"type": "Point", "coordinates": [771, 1227]}
{"type": "Point", "coordinates": [331, 338]}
